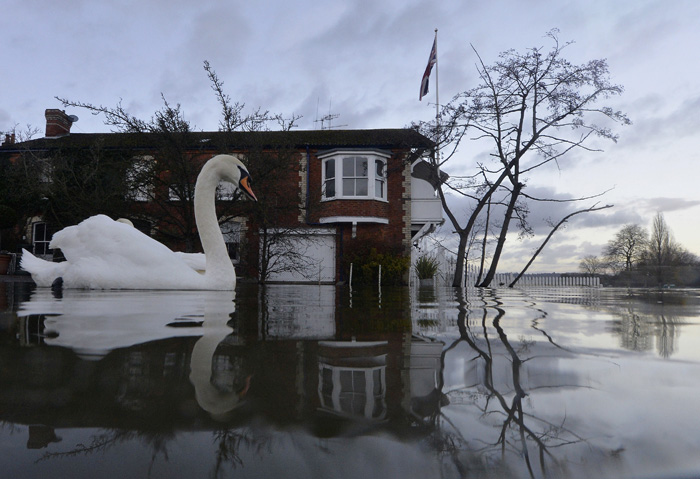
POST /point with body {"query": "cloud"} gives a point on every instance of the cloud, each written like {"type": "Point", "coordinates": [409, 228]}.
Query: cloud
{"type": "Point", "coordinates": [666, 205]}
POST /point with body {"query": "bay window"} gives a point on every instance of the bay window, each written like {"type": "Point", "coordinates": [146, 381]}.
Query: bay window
{"type": "Point", "coordinates": [354, 175]}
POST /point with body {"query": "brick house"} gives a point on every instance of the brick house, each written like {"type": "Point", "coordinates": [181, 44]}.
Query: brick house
{"type": "Point", "coordinates": [344, 191]}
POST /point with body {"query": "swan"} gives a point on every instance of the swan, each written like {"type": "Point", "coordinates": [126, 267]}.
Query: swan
{"type": "Point", "coordinates": [105, 254]}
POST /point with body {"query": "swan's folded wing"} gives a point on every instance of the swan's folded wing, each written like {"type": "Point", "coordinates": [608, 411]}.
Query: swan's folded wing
{"type": "Point", "coordinates": [196, 261]}
{"type": "Point", "coordinates": [105, 254]}
{"type": "Point", "coordinates": [99, 238]}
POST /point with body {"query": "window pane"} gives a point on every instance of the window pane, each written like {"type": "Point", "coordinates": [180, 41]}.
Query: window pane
{"type": "Point", "coordinates": [330, 188]}
{"type": "Point", "coordinates": [361, 187]}
{"type": "Point", "coordinates": [358, 381]}
{"type": "Point", "coordinates": [380, 168]}
{"type": "Point", "coordinates": [327, 381]}
{"type": "Point", "coordinates": [377, 379]}
{"type": "Point", "coordinates": [349, 166]}
{"type": "Point", "coordinates": [362, 167]}
{"type": "Point", "coordinates": [345, 381]}
{"type": "Point", "coordinates": [330, 169]}
{"type": "Point", "coordinates": [39, 231]}
{"type": "Point", "coordinates": [348, 187]}
{"type": "Point", "coordinates": [379, 188]}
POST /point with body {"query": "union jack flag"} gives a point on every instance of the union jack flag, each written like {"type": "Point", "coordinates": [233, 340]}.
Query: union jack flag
{"type": "Point", "coordinates": [431, 61]}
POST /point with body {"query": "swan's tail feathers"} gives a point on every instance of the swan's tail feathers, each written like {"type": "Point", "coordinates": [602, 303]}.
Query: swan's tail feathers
{"type": "Point", "coordinates": [43, 272]}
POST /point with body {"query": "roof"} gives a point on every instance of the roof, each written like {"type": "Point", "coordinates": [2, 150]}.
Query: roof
{"type": "Point", "coordinates": [314, 139]}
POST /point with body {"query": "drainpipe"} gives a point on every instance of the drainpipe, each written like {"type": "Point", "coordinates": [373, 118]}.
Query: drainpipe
{"type": "Point", "coordinates": [308, 189]}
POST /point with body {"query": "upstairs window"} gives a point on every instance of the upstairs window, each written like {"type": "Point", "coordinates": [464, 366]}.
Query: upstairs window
{"type": "Point", "coordinates": [139, 179]}
{"type": "Point", "coordinates": [379, 179]}
{"type": "Point", "coordinates": [354, 176]}
{"type": "Point", "coordinates": [329, 182]}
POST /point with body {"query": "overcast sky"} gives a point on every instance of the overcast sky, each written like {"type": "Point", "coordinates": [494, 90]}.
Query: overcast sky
{"type": "Point", "coordinates": [363, 60]}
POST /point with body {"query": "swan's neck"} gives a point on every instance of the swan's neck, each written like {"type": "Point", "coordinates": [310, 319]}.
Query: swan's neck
{"type": "Point", "coordinates": [219, 266]}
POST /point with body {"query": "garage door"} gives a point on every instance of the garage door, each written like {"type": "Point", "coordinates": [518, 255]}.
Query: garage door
{"type": "Point", "coordinates": [307, 256]}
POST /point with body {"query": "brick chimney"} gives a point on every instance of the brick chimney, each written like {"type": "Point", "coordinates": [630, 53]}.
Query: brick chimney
{"type": "Point", "coordinates": [57, 123]}
{"type": "Point", "coordinates": [9, 139]}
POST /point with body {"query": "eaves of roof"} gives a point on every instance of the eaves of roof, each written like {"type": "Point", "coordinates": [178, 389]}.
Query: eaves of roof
{"type": "Point", "coordinates": [314, 139]}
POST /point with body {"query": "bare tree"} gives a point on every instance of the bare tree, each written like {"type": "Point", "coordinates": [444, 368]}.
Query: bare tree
{"type": "Point", "coordinates": [626, 248]}
{"type": "Point", "coordinates": [165, 178]}
{"type": "Point", "coordinates": [532, 109]}
{"type": "Point", "coordinates": [592, 264]}
{"type": "Point", "coordinates": [663, 255]}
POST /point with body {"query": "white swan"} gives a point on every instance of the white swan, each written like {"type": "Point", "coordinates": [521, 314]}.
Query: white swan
{"type": "Point", "coordinates": [105, 254]}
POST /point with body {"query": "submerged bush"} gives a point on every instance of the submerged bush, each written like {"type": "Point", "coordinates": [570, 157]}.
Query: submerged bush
{"type": "Point", "coordinates": [426, 267]}
{"type": "Point", "coordinates": [366, 267]}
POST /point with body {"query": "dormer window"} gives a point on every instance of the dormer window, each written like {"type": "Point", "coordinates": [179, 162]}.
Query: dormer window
{"type": "Point", "coordinates": [354, 175]}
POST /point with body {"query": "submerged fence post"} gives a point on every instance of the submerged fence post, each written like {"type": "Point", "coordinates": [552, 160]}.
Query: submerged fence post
{"type": "Point", "coordinates": [379, 286]}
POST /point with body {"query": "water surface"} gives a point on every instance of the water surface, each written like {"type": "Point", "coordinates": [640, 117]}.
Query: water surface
{"type": "Point", "coordinates": [318, 381]}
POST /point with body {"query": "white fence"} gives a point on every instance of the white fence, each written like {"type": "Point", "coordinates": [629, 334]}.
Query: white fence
{"type": "Point", "coordinates": [446, 274]}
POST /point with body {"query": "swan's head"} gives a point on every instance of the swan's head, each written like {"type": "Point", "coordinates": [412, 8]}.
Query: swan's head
{"type": "Point", "coordinates": [236, 172]}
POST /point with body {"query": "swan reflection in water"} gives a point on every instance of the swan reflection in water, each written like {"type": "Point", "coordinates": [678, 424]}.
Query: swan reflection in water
{"type": "Point", "coordinates": [94, 323]}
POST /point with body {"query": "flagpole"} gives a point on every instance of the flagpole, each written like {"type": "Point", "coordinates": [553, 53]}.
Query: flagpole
{"type": "Point", "coordinates": [437, 101]}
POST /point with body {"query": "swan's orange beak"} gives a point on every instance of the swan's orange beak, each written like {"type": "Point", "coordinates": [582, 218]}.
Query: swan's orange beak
{"type": "Point", "coordinates": [245, 187]}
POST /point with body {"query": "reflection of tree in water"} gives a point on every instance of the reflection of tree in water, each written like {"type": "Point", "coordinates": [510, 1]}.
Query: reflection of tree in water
{"type": "Point", "coordinates": [639, 331]}
{"type": "Point", "coordinates": [230, 441]}
{"type": "Point", "coordinates": [155, 441]}
{"type": "Point", "coordinates": [520, 432]}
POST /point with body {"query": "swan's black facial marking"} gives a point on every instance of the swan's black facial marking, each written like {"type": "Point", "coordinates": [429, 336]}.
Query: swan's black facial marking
{"type": "Point", "coordinates": [244, 184]}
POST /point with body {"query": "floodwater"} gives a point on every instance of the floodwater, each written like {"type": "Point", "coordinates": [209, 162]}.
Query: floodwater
{"type": "Point", "coordinates": [316, 381]}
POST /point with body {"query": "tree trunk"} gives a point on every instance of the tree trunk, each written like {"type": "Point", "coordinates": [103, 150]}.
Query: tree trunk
{"type": "Point", "coordinates": [484, 242]}
{"type": "Point", "coordinates": [551, 233]}
{"type": "Point", "coordinates": [502, 237]}
{"type": "Point", "coordinates": [461, 256]}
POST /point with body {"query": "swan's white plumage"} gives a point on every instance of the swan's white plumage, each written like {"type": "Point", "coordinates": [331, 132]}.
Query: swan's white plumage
{"type": "Point", "coordinates": [105, 254]}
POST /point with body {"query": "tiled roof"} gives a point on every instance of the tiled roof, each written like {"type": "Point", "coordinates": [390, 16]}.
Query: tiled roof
{"type": "Point", "coordinates": [320, 139]}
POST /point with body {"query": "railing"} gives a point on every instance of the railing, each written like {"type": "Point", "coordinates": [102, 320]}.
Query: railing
{"type": "Point", "coordinates": [500, 280]}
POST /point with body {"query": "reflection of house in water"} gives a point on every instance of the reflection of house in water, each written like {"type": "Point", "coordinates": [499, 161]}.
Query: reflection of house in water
{"type": "Point", "coordinates": [290, 311]}
{"type": "Point", "coordinates": [135, 359]}
{"type": "Point", "coordinates": [425, 371]}
{"type": "Point", "coordinates": [352, 378]}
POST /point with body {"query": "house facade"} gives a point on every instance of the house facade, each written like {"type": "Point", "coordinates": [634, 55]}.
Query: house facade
{"type": "Point", "coordinates": [326, 196]}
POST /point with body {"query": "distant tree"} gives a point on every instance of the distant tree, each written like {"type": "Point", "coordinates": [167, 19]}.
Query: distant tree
{"type": "Point", "coordinates": [663, 256]}
{"type": "Point", "coordinates": [592, 264]}
{"type": "Point", "coordinates": [627, 247]}
{"type": "Point", "coordinates": [532, 108]}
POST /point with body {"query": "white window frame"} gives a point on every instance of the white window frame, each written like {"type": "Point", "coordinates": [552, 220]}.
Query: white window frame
{"type": "Point", "coordinates": [139, 193]}
{"type": "Point", "coordinates": [232, 231]}
{"type": "Point", "coordinates": [41, 238]}
{"type": "Point", "coordinates": [375, 181]}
